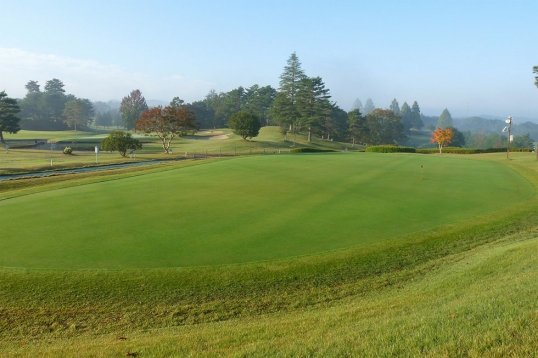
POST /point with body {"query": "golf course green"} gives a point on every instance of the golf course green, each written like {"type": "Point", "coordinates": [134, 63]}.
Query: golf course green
{"type": "Point", "coordinates": [249, 209]}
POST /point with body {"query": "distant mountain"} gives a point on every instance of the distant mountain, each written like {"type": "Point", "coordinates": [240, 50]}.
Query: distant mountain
{"type": "Point", "coordinates": [487, 126]}
{"type": "Point", "coordinates": [516, 118]}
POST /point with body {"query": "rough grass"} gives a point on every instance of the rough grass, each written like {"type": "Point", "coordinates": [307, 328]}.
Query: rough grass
{"type": "Point", "coordinates": [465, 289]}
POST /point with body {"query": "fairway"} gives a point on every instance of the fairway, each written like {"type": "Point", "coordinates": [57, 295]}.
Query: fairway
{"type": "Point", "coordinates": [249, 209]}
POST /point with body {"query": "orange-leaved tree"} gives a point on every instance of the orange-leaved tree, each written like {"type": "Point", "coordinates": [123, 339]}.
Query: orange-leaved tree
{"type": "Point", "coordinates": [166, 123]}
{"type": "Point", "coordinates": [442, 137]}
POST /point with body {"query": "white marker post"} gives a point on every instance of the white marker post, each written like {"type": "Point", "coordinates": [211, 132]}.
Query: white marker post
{"type": "Point", "coordinates": [96, 152]}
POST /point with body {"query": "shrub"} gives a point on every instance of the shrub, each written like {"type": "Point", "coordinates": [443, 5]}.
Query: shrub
{"type": "Point", "coordinates": [457, 150]}
{"type": "Point", "coordinates": [120, 141]}
{"type": "Point", "coordinates": [245, 124]}
{"type": "Point", "coordinates": [68, 150]}
{"type": "Point", "coordinates": [310, 150]}
{"type": "Point", "coordinates": [390, 149]}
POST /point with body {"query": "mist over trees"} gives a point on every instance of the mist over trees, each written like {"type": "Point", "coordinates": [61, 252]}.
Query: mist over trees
{"type": "Point", "coordinates": [357, 105]}
{"type": "Point", "coordinates": [53, 109]}
{"type": "Point", "coordinates": [368, 106]}
{"type": "Point", "coordinates": [445, 120]}
{"type": "Point", "coordinates": [395, 107]}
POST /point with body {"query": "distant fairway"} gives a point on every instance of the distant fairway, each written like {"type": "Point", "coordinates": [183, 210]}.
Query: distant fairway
{"type": "Point", "coordinates": [248, 209]}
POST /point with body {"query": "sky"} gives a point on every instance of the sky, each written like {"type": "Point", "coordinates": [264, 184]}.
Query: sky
{"type": "Point", "coordinates": [473, 57]}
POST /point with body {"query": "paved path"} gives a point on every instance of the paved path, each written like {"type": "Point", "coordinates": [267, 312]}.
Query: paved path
{"type": "Point", "coordinates": [82, 170]}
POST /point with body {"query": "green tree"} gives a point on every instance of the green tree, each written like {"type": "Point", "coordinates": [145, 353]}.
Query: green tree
{"type": "Point", "coordinates": [44, 110]}
{"type": "Point", "coordinates": [259, 101]}
{"type": "Point", "coordinates": [524, 141]}
{"type": "Point", "coordinates": [54, 103]}
{"type": "Point", "coordinates": [535, 71]}
{"type": "Point", "coordinates": [394, 106]}
{"type": "Point", "coordinates": [52, 86]}
{"type": "Point", "coordinates": [416, 120]}
{"type": "Point", "coordinates": [132, 107]}
{"type": "Point", "coordinates": [78, 112]}
{"type": "Point", "coordinates": [32, 87]}
{"type": "Point", "coordinates": [8, 121]}
{"type": "Point", "coordinates": [406, 116]}
{"type": "Point", "coordinates": [205, 115]}
{"type": "Point", "coordinates": [284, 110]}
{"type": "Point", "coordinates": [120, 141]}
{"type": "Point", "coordinates": [458, 138]}
{"type": "Point", "coordinates": [334, 125]}
{"type": "Point", "coordinates": [384, 127]}
{"type": "Point", "coordinates": [368, 106]}
{"type": "Point", "coordinates": [233, 102]}
{"type": "Point", "coordinates": [313, 104]}
{"type": "Point", "coordinates": [357, 128]}
{"type": "Point", "coordinates": [445, 119]}
{"type": "Point", "coordinates": [245, 124]}
{"type": "Point", "coordinates": [177, 102]}
{"type": "Point", "coordinates": [103, 119]}
{"type": "Point", "coordinates": [215, 101]}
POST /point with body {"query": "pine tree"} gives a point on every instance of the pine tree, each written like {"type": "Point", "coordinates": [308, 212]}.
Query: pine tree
{"type": "Point", "coordinates": [313, 103]}
{"type": "Point", "coordinates": [368, 106]}
{"type": "Point", "coordinates": [284, 110]}
{"type": "Point", "coordinates": [416, 121]}
{"type": "Point", "coordinates": [406, 116]}
{"type": "Point", "coordinates": [8, 121]}
{"type": "Point", "coordinates": [32, 87]}
{"type": "Point", "coordinates": [445, 119]}
{"type": "Point", "coordinates": [394, 106]}
{"type": "Point", "coordinates": [357, 105]}
{"type": "Point", "coordinates": [357, 129]}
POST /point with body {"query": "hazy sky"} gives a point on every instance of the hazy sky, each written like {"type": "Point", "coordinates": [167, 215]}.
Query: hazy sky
{"type": "Point", "coordinates": [472, 57]}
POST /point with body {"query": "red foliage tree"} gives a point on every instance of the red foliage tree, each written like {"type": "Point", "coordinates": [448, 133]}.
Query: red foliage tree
{"type": "Point", "coordinates": [166, 123]}
{"type": "Point", "coordinates": [442, 137]}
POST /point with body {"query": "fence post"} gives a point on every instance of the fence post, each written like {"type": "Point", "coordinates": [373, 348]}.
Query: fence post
{"type": "Point", "coordinates": [193, 154]}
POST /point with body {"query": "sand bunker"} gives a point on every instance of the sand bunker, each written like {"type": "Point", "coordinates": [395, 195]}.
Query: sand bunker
{"type": "Point", "coordinates": [213, 135]}
{"type": "Point", "coordinates": [222, 136]}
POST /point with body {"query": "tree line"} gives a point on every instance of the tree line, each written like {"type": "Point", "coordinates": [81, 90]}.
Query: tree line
{"type": "Point", "coordinates": [301, 105]}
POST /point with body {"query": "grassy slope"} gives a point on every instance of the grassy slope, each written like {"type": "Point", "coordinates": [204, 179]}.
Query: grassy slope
{"type": "Point", "coordinates": [477, 303]}
{"type": "Point", "coordinates": [465, 289]}
{"type": "Point", "coordinates": [248, 209]}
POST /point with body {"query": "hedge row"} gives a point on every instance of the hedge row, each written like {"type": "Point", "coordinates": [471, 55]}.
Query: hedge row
{"type": "Point", "coordinates": [310, 150]}
{"type": "Point", "coordinates": [390, 149]}
{"type": "Point", "coordinates": [456, 150]}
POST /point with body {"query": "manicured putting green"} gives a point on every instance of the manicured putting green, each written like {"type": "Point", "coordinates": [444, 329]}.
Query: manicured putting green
{"type": "Point", "coordinates": [249, 209]}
